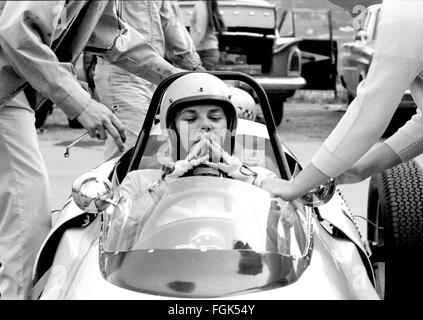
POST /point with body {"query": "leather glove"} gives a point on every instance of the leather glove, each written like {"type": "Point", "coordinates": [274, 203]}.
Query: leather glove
{"type": "Point", "coordinates": [232, 166]}
{"type": "Point", "coordinates": [193, 160]}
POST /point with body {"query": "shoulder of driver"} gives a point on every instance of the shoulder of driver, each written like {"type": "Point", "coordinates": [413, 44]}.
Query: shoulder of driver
{"type": "Point", "coordinates": [138, 181]}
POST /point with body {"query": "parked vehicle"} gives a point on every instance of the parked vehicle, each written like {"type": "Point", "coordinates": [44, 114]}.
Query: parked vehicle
{"type": "Point", "coordinates": [252, 44]}
{"type": "Point", "coordinates": [245, 246]}
{"type": "Point", "coordinates": [355, 59]}
{"type": "Point", "coordinates": [319, 49]}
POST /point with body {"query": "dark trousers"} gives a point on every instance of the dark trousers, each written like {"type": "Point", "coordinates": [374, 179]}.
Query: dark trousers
{"type": "Point", "coordinates": [209, 58]}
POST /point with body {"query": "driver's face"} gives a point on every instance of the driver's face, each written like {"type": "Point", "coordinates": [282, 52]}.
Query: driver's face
{"type": "Point", "coordinates": [194, 122]}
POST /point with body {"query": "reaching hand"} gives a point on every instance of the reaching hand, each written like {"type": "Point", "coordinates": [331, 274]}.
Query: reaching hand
{"type": "Point", "coordinates": [352, 175]}
{"type": "Point", "coordinates": [280, 188]}
{"type": "Point", "coordinates": [98, 119]}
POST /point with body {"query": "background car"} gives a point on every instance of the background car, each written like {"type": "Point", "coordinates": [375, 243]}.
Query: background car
{"type": "Point", "coordinates": [355, 59]}
{"type": "Point", "coordinates": [308, 253]}
{"type": "Point", "coordinates": [319, 49]}
{"type": "Point", "coordinates": [252, 44]}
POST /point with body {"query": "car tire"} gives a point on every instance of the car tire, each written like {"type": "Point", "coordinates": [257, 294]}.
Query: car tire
{"type": "Point", "coordinates": [395, 203]}
{"type": "Point", "coordinates": [276, 102]}
{"type": "Point", "coordinates": [400, 117]}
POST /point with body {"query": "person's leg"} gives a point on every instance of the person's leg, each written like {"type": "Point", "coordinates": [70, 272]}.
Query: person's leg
{"type": "Point", "coordinates": [209, 58]}
{"type": "Point", "coordinates": [24, 201]}
{"type": "Point", "coordinates": [131, 94]}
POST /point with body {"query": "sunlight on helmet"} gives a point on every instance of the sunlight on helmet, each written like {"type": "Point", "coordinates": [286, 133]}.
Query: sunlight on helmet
{"type": "Point", "coordinates": [245, 104]}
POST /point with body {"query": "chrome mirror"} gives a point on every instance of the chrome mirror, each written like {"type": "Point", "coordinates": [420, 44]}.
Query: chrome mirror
{"type": "Point", "coordinates": [92, 193]}
{"type": "Point", "coordinates": [320, 195]}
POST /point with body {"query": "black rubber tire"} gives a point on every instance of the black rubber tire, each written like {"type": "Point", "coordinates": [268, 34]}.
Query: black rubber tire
{"type": "Point", "coordinates": [396, 202]}
{"type": "Point", "coordinates": [400, 117]}
{"type": "Point", "coordinates": [276, 102]}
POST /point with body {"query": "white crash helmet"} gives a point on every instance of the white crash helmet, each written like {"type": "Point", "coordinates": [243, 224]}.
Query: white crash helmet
{"type": "Point", "coordinates": [193, 89]}
{"type": "Point", "coordinates": [245, 104]}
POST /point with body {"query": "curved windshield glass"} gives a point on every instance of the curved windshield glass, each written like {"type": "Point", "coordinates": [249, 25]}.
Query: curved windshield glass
{"type": "Point", "coordinates": [209, 234]}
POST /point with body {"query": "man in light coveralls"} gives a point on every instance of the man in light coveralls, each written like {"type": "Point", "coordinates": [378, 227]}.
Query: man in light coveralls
{"type": "Point", "coordinates": [28, 31]}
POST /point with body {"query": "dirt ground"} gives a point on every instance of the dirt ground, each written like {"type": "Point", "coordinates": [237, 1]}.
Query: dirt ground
{"type": "Point", "coordinates": [308, 116]}
{"type": "Point", "coordinates": [308, 122]}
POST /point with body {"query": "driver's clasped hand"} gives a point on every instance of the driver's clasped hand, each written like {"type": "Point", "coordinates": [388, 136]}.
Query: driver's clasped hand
{"type": "Point", "coordinates": [203, 152]}
{"type": "Point", "coordinates": [232, 166]}
{"type": "Point", "coordinates": [194, 159]}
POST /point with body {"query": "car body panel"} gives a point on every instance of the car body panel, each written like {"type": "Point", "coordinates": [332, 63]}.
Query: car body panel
{"type": "Point", "coordinates": [255, 14]}
{"type": "Point", "coordinates": [335, 272]}
{"type": "Point", "coordinates": [313, 29]}
{"type": "Point", "coordinates": [344, 221]}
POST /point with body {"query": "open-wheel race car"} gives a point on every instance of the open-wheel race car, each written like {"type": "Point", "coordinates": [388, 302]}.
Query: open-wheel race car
{"type": "Point", "coordinates": [205, 235]}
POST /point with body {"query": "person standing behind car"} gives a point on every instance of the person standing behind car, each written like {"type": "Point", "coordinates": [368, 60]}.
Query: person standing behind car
{"type": "Point", "coordinates": [206, 23]}
{"type": "Point", "coordinates": [350, 154]}
{"type": "Point", "coordinates": [28, 32]}
{"type": "Point", "coordinates": [160, 22]}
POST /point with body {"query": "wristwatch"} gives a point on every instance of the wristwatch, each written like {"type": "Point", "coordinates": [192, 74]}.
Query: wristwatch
{"type": "Point", "coordinates": [246, 171]}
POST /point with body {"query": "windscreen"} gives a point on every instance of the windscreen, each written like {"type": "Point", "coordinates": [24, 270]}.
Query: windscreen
{"type": "Point", "coordinates": [206, 236]}
{"type": "Point", "coordinates": [194, 213]}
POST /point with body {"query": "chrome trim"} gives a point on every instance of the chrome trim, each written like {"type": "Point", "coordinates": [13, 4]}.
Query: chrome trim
{"type": "Point", "coordinates": [283, 42]}
{"type": "Point", "coordinates": [281, 83]}
{"type": "Point", "coordinates": [248, 34]}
